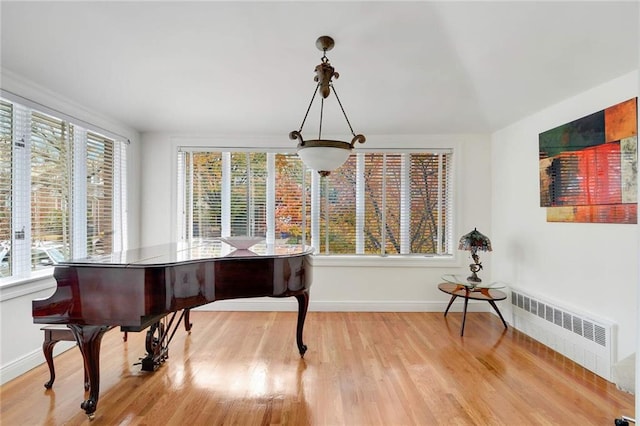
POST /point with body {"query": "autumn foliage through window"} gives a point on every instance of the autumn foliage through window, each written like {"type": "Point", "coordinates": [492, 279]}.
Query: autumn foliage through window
{"type": "Point", "coordinates": [377, 203]}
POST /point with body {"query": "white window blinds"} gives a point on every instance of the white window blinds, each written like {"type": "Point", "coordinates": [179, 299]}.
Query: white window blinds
{"type": "Point", "coordinates": [248, 193]}
{"type": "Point", "coordinates": [203, 195]}
{"type": "Point", "coordinates": [6, 126]}
{"type": "Point", "coordinates": [51, 170]}
{"type": "Point", "coordinates": [337, 210]}
{"type": "Point", "coordinates": [388, 203]}
{"type": "Point", "coordinates": [100, 194]}
{"type": "Point", "coordinates": [292, 199]}
{"type": "Point", "coordinates": [431, 203]}
{"type": "Point", "coordinates": [62, 191]}
{"type": "Point", "coordinates": [377, 203]}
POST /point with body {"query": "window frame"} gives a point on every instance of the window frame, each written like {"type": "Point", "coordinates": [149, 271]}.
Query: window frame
{"type": "Point", "coordinates": [375, 143]}
{"type": "Point", "coordinates": [21, 170]}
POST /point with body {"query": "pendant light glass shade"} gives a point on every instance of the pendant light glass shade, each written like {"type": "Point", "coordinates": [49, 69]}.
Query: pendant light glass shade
{"type": "Point", "coordinates": [323, 158]}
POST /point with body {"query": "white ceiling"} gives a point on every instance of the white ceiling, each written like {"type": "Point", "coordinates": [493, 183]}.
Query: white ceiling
{"type": "Point", "coordinates": [247, 67]}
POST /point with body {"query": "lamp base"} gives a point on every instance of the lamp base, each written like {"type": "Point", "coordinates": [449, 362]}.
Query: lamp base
{"type": "Point", "coordinates": [474, 278]}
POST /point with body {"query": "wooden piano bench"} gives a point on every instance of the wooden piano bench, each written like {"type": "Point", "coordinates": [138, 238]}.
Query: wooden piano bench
{"type": "Point", "coordinates": [52, 335]}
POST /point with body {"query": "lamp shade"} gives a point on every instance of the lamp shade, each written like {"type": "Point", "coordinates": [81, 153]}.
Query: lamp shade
{"type": "Point", "coordinates": [474, 241]}
{"type": "Point", "coordinates": [323, 155]}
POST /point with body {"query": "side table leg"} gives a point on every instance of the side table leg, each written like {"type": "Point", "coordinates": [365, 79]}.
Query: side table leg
{"type": "Point", "coordinates": [464, 316]}
{"type": "Point", "coordinates": [449, 305]}
{"type": "Point", "coordinates": [495, 307]}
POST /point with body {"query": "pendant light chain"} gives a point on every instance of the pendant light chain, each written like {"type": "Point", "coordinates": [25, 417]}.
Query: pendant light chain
{"type": "Point", "coordinates": [321, 113]}
{"type": "Point", "coordinates": [343, 112]}
{"type": "Point", "coordinates": [308, 108]}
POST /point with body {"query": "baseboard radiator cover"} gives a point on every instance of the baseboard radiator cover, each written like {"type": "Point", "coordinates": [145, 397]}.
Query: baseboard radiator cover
{"type": "Point", "coordinates": [580, 337]}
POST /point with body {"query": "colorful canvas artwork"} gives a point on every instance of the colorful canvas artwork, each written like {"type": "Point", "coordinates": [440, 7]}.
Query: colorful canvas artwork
{"type": "Point", "coordinates": [589, 167]}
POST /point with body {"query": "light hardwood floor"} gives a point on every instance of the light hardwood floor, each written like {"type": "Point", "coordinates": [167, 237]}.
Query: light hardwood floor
{"type": "Point", "coordinates": [243, 368]}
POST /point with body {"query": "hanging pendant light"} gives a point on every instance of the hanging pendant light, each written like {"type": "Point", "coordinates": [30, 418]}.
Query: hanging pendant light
{"type": "Point", "coordinates": [324, 155]}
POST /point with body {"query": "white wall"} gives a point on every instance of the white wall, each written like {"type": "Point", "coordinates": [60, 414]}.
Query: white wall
{"type": "Point", "coordinates": [20, 339]}
{"type": "Point", "coordinates": [497, 183]}
{"type": "Point", "coordinates": [590, 267]}
{"type": "Point", "coordinates": [378, 284]}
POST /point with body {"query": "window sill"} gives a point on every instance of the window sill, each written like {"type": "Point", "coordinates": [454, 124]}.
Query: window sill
{"type": "Point", "coordinates": [13, 287]}
{"type": "Point", "coordinates": [356, 261]}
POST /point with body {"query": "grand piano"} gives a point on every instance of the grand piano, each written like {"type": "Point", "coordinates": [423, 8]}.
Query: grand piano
{"type": "Point", "coordinates": [144, 289]}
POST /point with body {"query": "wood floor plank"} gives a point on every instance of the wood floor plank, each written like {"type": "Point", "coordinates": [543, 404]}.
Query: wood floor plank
{"type": "Point", "coordinates": [242, 368]}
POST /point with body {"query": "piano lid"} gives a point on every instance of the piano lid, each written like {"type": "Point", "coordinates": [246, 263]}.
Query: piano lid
{"type": "Point", "coordinates": [184, 252]}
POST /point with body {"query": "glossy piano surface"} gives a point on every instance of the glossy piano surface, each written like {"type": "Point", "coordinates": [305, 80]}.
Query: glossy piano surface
{"type": "Point", "coordinates": [138, 288]}
{"type": "Point", "coordinates": [133, 287]}
{"type": "Point", "coordinates": [172, 253]}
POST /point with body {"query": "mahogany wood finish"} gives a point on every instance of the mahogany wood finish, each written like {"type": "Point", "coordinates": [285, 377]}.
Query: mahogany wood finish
{"type": "Point", "coordinates": [362, 368]}
{"type": "Point", "coordinates": [89, 338]}
{"type": "Point", "coordinates": [93, 296]}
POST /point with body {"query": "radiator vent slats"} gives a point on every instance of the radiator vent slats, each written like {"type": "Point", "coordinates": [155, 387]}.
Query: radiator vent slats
{"type": "Point", "coordinates": [581, 326]}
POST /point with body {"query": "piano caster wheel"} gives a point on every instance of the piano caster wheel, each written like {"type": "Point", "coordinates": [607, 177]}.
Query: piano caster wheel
{"type": "Point", "coordinates": [303, 350]}
{"type": "Point", "coordinates": [48, 385]}
{"type": "Point", "coordinates": [89, 407]}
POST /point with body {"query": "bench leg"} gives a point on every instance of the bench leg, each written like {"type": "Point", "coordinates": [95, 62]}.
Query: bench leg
{"type": "Point", "coordinates": [47, 348]}
{"type": "Point", "coordinates": [51, 337]}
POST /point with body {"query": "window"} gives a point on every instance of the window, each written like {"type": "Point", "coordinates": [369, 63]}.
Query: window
{"type": "Point", "coordinates": [377, 203]}
{"type": "Point", "coordinates": [51, 155]}
{"type": "Point", "coordinates": [100, 192]}
{"type": "Point", "coordinates": [292, 199]}
{"type": "Point", "coordinates": [61, 191]}
{"type": "Point", "coordinates": [6, 125]}
{"type": "Point", "coordinates": [248, 192]}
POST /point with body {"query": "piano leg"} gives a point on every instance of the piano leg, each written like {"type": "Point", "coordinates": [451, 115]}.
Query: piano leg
{"type": "Point", "coordinates": [303, 304]}
{"type": "Point", "coordinates": [187, 323]}
{"type": "Point", "coordinates": [89, 338]}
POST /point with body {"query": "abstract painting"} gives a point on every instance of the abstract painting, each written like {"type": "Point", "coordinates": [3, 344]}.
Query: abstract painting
{"type": "Point", "coordinates": [589, 167]}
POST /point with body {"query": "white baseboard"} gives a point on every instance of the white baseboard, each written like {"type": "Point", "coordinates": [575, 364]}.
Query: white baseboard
{"type": "Point", "coordinates": [290, 304]}
{"type": "Point", "coordinates": [31, 360]}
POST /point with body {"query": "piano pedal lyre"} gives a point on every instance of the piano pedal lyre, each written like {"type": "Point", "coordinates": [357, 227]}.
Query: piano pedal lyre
{"type": "Point", "coordinates": [158, 339]}
{"type": "Point", "coordinates": [156, 346]}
